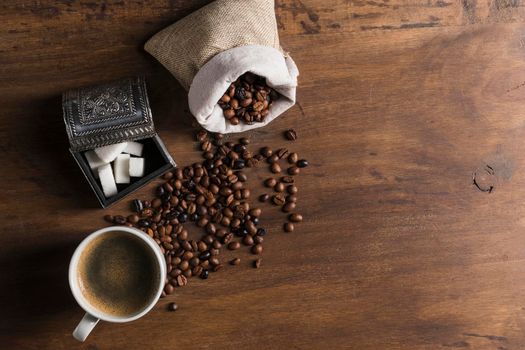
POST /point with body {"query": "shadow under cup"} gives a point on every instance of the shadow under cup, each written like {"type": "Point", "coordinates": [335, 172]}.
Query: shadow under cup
{"type": "Point", "coordinates": [117, 274]}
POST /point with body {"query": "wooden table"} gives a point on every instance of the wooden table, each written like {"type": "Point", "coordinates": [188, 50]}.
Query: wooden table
{"type": "Point", "coordinates": [400, 105]}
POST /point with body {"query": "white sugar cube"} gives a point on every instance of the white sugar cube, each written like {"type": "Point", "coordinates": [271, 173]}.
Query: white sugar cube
{"type": "Point", "coordinates": [134, 148]}
{"type": "Point", "coordinates": [121, 169]}
{"type": "Point", "coordinates": [136, 167]}
{"type": "Point", "coordinates": [94, 162]}
{"type": "Point", "coordinates": [109, 153]}
{"type": "Point", "coordinates": [109, 187]}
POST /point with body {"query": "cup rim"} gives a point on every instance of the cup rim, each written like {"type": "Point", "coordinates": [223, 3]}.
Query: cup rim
{"type": "Point", "coordinates": [73, 273]}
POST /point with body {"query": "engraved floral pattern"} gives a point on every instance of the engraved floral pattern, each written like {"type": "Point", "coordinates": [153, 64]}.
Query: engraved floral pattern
{"type": "Point", "coordinates": [105, 102]}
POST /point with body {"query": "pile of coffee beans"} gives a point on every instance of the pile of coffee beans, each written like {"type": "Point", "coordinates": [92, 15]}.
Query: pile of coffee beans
{"type": "Point", "coordinates": [212, 195]}
{"type": "Point", "coordinates": [248, 100]}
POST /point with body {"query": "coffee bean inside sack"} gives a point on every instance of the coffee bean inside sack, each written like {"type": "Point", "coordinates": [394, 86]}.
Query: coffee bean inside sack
{"type": "Point", "coordinates": [212, 195]}
{"type": "Point", "coordinates": [117, 164]}
{"type": "Point", "coordinates": [247, 100]}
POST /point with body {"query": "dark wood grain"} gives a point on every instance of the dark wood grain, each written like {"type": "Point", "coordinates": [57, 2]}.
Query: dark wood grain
{"type": "Point", "coordinates": [400, 104]}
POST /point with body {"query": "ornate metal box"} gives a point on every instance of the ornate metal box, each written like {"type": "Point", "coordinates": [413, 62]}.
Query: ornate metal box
{"type": "Point", "coordinates": [111, 113]}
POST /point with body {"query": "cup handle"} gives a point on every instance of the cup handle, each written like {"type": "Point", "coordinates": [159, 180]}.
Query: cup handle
{"type": "Point", "coordinates": [85, 327]}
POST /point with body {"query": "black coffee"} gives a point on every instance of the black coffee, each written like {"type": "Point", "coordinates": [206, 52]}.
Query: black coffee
{"type": "Point", "coordinates": [118, 274]}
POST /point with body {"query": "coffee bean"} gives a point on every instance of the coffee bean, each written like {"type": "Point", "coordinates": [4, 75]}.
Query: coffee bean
{"type": "Point", "coordinates": [241, 176]}
{"type": "Point", "coordinates": [168, 175]}
{"type": "Point", "coordinates": [292, 189]}
{"type": "Point", "coordinates": [281, 153]}
{"type": "Point", "coordinates": [287, 179]}
{"type": "Point", "coordinates": [187, 255]}
{"type": "Point", "coordinates": [255, 212]}
{"type": "Point", "coordinates": [188, 273]}
{"type": "Point", "coordinates": [275, 168]}
{"type": "Point", "coordinates": [133, 219]}
{"type": "Point", "coordinates": [264, 197]}
{"type": "Point", "coordinates": [181, 280]}
{"type": "Point", "coordinates": [168, 289]}
{"type": "Point", "coordinates": [175, 272]}
{"type": "Point", "coordinates": [266, 151]}
{"type": "Point", "coordinates": [270, 182]}
{"type": "Point", "coordinates": [279, 187]}
{"type": "Point", "coordinates": [288, 227]}
{"type": "Point", "coordinates": [234, 245]}
{"type": "Point", "coordinates": [172, 306]}
{"type": "Point", "coordinates": [108, 218]}
{"type": "Point", "coordinates": [302, 163]}
{"type": "Point", "coordinates": [261, 232]}
{"type": "Point", "coordinates": [247, 240]}
{"type": "Point", "coordinates": [258, 239]}
{"type": "Point", "coordinates": [184, 265]}
{"type": "Point", "coordinates": [156, 203]}
{"type": "Point", "coordinates": [288, 207]}
{"type": "Point", "coordinates": [194, 261]}
{"type": "Point", "coordinates": [278, 199]}
{"type": "Point", "coordinates": [119, 220]}
{"type": "Point", "coordinates": [290, 134]}
{"type": "Point", "coordinates": [293, 157]}
{"type": "Point", "coordinates": [205, 255]}
{"type": "Point", "coordinates": [257, 249]}
{"type": "Point", "coordinates": [204, 274]}
{"type": "Point", "coordinates": [257, 263]}
{"type": "Point", "coordinates": [244, 141]}
{"type": "Point", "coordinates": [214, 261]}
{"type": "Point", "coordinates": [229, 113]}
{"type": "Point", "coordinates": [295, 217]}
{"type": "Point", "coordinates": [235, 261]}
{"type": "Point", "coordinates": [293, 170]}
{"type": "Point", "coordinates": [137, 205]}
{"type": "Point", "coordinates": [202, 134]}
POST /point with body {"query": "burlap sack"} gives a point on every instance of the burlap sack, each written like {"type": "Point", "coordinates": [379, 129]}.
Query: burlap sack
{"type": "Point", "coordinates": [209, 49]}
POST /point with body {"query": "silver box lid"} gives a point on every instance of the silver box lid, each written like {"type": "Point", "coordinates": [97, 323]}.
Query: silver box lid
{"type": "Point", "coordinates": [106, 114]}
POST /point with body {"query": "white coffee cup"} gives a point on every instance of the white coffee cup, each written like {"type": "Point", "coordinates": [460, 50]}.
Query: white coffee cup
{"type": "Point", "coordinates": [93, 315]}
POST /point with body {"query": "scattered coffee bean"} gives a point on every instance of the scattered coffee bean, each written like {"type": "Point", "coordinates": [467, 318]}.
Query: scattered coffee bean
{"type": "Point", "coordinates": [302, 163]}
{"type": "Point", "coordinates": [278, 199]}
{"type": "Point", "coordinates": [293, 157]}
{"type": "Point", "coordinates": [293, 170]}
{"type": "Point", "coordinates": [264, 197]}
{"type": "Point", "coordinates": [133, 219]}
{"type": "Point", "coordinates": [281, 153]}
{"type": "Point", "coordinates": [247, 240]}
{"type": "Point", "coordinates": [235, 261]}
{"type": "Point", "coordinates": [288, 207]}
{"type": "Point", "coordinates": [119, 220]}
{"type": "Point", "coordinates": [295, 217]}
{"type": "Point", "coordinates": [288, 227]}
{"type": "Point", "coordinates": [204, 274]}
{"type": "Point", "coordinates": [270, 182]}
{"type": "Point", "coordinates": [275, 168]}
{"type": "Point", "coordinates": [279, 187]}
{"type": "Point", "coordinates": [290, 134]}
{"type": "Point", "coordinates": [108, 218]}
{"type": "Point", "coordinates": [266, 151]}
{"type": "Point", "coordinates": [137, 205]}
{"type": "Point", "coordinates": [234, 245]}
{"type": "Point", "coordinates": [257, 249]}
{"type": "Point", "coordinates": [287, 179]}
{"type": "Point", "coordinates": [173, 307]}
{"type": "Point", "coordinates": [291, 189]}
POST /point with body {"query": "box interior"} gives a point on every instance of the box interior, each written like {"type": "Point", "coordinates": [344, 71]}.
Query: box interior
{"type": "Point", "coordinates": [157, 161]}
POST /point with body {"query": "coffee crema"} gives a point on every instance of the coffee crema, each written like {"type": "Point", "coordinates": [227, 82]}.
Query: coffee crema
{"type": "Point", "coordinates": [118, 274]}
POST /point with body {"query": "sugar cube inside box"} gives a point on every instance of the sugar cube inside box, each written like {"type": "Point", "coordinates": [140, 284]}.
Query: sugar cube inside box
{"type": "Point", "coordinates": [116, 165]}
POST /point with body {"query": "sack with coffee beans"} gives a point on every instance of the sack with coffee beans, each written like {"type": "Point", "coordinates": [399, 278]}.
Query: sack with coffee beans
{"type": "Point", "coordinates": [209, 50]}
